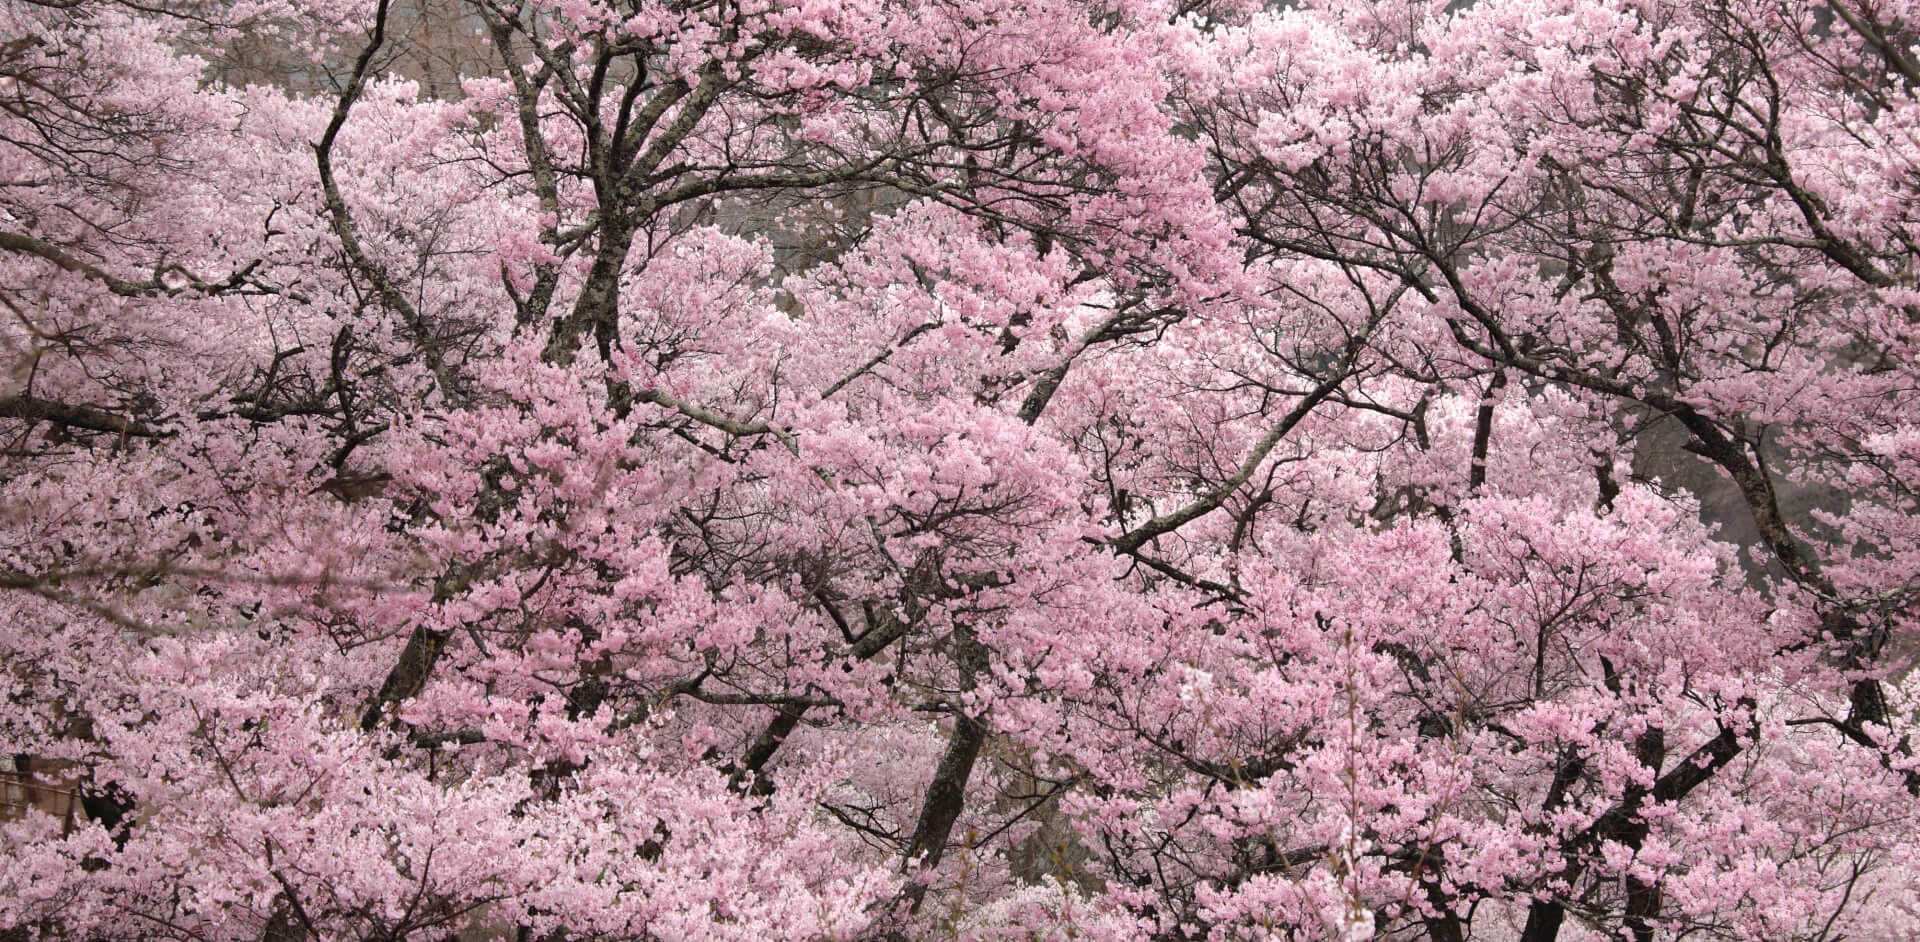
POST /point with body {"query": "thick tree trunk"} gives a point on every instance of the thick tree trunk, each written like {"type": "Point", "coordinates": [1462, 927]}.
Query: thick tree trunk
{"type": "Point", "coordinates": [946, 796]}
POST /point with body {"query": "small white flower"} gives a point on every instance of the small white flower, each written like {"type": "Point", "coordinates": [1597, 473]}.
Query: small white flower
{"type": "Point", "coordinates": [1195, 684]}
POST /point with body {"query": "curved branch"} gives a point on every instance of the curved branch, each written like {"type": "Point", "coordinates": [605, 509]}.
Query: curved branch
{"type": "Point", "coordinates": [342, 218]}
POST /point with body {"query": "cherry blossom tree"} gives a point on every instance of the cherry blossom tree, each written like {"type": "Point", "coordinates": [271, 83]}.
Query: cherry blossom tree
{"type": "Point", "coordinates": [980, 469]}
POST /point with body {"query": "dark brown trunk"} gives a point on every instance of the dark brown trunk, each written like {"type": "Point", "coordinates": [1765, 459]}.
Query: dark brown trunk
{"type": "Point", "coordinates": [947, 796]}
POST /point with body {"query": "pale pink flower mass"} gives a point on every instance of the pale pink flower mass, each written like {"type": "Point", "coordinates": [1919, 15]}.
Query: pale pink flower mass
{"type": "Point", "coordinates": [960, 469]}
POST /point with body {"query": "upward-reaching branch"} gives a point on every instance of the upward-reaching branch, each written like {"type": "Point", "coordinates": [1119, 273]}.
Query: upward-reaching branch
{"type": "Point", "coordinates": [342, 217]}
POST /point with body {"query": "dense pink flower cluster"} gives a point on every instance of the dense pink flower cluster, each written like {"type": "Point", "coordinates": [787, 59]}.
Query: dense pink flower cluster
{"type": "Point", "coordinates": [977, 469]}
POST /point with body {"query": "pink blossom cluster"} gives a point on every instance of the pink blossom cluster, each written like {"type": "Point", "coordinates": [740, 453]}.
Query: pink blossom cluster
{"type": "Point", "coordinates": [972, 469]}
